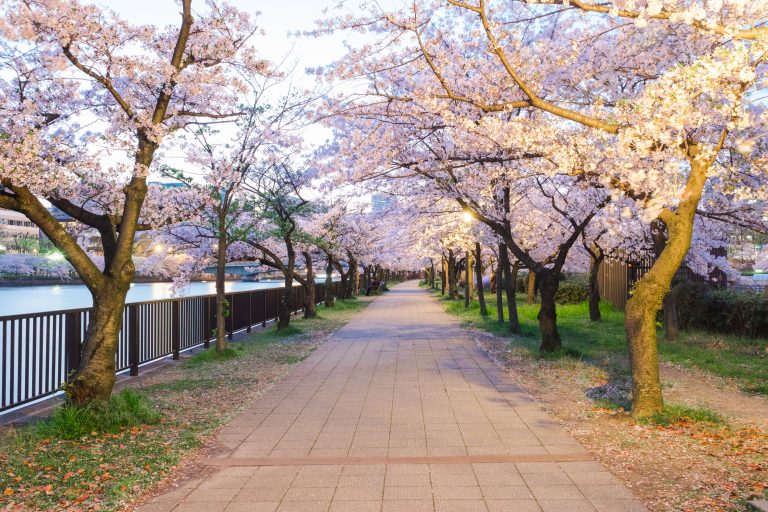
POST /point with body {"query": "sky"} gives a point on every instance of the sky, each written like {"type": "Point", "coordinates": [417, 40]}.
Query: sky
{"type": "Point", "coordinates": [281, 21]}
{"type": "Point", "coordinates": [277, 18]}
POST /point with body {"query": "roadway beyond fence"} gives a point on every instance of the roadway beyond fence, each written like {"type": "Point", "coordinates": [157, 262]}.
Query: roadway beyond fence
{"type": "Point", "coordinates": [398, 411]}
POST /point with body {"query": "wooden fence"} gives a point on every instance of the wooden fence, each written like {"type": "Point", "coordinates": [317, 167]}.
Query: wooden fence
{"type": "Point", "coordinates": [617, 277]}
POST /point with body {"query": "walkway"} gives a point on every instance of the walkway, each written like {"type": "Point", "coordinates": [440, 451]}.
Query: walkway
{"type": "Point", "coordinates": [399, 411]}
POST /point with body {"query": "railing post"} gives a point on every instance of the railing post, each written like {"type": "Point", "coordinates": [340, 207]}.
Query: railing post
{"type": "Point", "coordinates": [133, 339]}
{"type": "Point", "coordinates": [266, 295]}
{"type": "Point", "coordinates": [231, 317]}
{"type": "Point", "coordinates": [72, 342]}
{"type": "Point", "coordinates": [207, 323]}
{"type": "Point", "coordinates": [175, 328]}
{"type": "Point", "coordinates": [250, 312]}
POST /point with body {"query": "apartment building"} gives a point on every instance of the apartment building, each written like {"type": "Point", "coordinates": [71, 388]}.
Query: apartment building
{"type": "Point", "coordinates": [15, 229]}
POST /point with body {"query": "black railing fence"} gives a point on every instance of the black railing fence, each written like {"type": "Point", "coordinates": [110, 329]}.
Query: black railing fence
{"type": "Point", "coordinates": [39, 350]}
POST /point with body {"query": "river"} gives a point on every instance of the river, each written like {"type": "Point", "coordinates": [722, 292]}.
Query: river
{"type": "Point", "coordinates": [38, 299]}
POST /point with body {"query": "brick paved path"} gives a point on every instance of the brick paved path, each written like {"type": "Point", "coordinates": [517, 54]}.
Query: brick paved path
{"type": "Point", "coordinates": [399, 411]}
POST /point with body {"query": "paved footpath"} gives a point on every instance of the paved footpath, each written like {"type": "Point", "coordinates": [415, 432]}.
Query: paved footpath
{"type": "Point", "coordinates": [399, 411]}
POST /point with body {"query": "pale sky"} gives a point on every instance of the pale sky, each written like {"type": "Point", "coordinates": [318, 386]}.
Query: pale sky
{"type": "Point", "coordinates": [278, 19]}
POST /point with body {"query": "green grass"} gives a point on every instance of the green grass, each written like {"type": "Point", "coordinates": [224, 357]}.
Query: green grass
{"type": "Point", "coordinates": [677, 414]}
{"type": "Point", "coordinates": [103, 456]}
{"type": "Point", "coordinates": [744, 360]}
{"type": "Point", "coordinates": [211, 355]}
{"type": "Point", "coordinates": [123, 410]}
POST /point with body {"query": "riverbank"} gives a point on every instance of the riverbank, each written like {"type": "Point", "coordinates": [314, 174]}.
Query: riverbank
{"type": "Point", "coordinates": [178, 409]}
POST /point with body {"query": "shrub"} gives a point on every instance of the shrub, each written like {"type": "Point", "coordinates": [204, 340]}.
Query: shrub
{"type": "Point", "coordinates": [740, 313]}
{"type": "Point", "coordinates": [571, 293]}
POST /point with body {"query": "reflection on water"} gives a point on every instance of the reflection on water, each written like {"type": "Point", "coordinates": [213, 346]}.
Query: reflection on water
{"type": "Point", "coordinates": [35, 299]}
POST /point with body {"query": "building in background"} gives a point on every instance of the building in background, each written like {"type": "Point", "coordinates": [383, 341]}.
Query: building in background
{"type": "Point", "coordinates": [18, 233]}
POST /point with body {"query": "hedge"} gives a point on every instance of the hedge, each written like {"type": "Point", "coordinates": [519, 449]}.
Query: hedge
{"type": "Point", "coordinates": [571, 293]}
{"type": "Point", "coordinates": [740, 313]}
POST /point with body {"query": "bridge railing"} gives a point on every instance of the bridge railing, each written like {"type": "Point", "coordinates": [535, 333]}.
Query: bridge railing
{"type": "Point", "coordinates": [38, 351]}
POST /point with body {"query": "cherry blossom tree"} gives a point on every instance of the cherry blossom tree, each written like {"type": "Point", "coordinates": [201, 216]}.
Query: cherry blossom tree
{"type": "Point", "coordinates": [229, 216]}
{"type": "Point", "coordinates": [277, 191]}
{"type": "Point", "coordinates": [71, 65]}
{"type": "Point", "coordinates": [669, 119]}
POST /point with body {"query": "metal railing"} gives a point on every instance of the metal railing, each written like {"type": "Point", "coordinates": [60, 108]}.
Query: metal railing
{"type": "Point", "coordinates": [39, 350]}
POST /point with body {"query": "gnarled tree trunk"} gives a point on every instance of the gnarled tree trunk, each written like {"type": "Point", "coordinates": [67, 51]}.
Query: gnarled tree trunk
{"type": "Point", "coordinates": [453, 285]}
{"type": "Point", "coordinates": [467, 279]}
{"type": "Point", "coordinates": [499, 291]}
{"type": "Point", "coordinates": [510, 276]}
{"type": "Point", "coordinates": [531, 287]}
{"type": "Point", "coordinates": [643, 306]}
{"type": "Point", "coordinates": [285, 307]}
{"type": "Point", "coordinates": [96, 376]}
{"type": "Point", "coordinates": [443, 276]}
{"type": "Point", "coordinates": [330, 298]}
{"type": "Point", "coordinates": [479, 280]}
{"type": "Point", "coordinates": [671, 330]}
{"type": "Point", "coordinates": [309, 287]}
{"type": "Point", "coordinates": [595, 260]}
{"type": "Point", "coordinates": [222, 309]}
{"type": "Point", "coordinates": [550, 338]}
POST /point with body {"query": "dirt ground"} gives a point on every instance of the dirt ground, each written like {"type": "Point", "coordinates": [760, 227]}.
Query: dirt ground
{"type": "Point", "coordinates": [686, 466]}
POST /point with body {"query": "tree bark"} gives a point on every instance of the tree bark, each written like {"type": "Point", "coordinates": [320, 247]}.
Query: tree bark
{"type": "Point", "coordinates": [467, 279]}
{"type": "Point", "coordinates": [286, 303]}
{"type": "Point", "coordinates": [510, 276]}
{"type": "Point", "coordinates": [531, 287]}
{"type": "Point", "coordinates": [431, 274]}
{"type": "Point", "coordinates": [443, 276]}
{"type": "Point", "coordinates": [594, 285]}
{"type": "Point", "coordinates": [221, 297]}
{"type": "Point", "coordinates": [671, 330]}
{"type": "Point", "coordinates": [479, 279]}
{"type": "Point", "coordinates": [330, 298]}
{"type": "Point", "coordinates": [96, 376]}
{"type": "Point", "coordinates": [643, 306]}
{"type": "Point", "coordinates": [309, 287]}
{"type": "Point", "coordinates": [499, 291]}
{"type": "Point", "coordinates": [550, 338]}
{"type": "Point", "coordinates": [453, 285]}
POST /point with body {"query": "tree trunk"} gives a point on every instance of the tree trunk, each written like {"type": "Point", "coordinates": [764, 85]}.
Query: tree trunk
{"type": "Point", "coordinates": [643, 306]}
{"type": "Point", "coordinates": [432, 274]}
{"type": "Point", "coordinates": [96, 376]}
{"type": "Point", "coordinates": [443, 276]}
{"type": "Point", "coordinates": [286, 303]}
{"type": "Point", "coordinates": [479, 279]}
{"type": "Point", "coordinates": [499, 292]}
{"type": "Point", "coordinates": [453, 285]}
{"type": "Point", "coordinates": [531, 287]}
{"type": "Point", "coordinates": [669, 305]}
{"type": "Point", "coordinates": [550, 338]}
{"type": "Point", "coordinates": [467, 279]}
{"type": "Point", "coordinates": [222, 309]}
{"type": "Point", "coordinates": [594, 287]}
{"type": "Point", "coordinates": [330, 298]}
{"type": "Point", "coordinates": [309, 288]}
{"type": "Point", "coordinates": [510, 284]}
